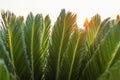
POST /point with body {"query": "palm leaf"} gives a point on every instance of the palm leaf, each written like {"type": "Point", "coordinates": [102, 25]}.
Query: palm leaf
{"type": "Point", "coordinates": [5, 56]}
{"type": "Point", "coordinates": [4, 73]}
{"type": "Point", "coordinates": [104, 55]}
{"type": "Point", "coordinates": [103, 29]}
{"type": "Point", "coordinates": [58, 44]}
{"type": "Point", "coordinates": [74, 56]}
{"type": "Point", "coordinates": [112, 73]}
{"type": "Point", "coordinates": [92, 29]}
{"type": "Point", "coordinates": [37, 33]}
{"type": "Point", "coordinates": [45, 39]}
{"type": "Point", "coordinates": [15, 44]}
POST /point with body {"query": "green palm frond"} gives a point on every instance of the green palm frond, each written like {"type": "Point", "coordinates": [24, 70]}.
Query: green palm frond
{"type": "Point", "coordinates": [74, 56]}
{"type": "Point", "coordinates": [102, 31]}
{"type": "Point", "coordinates": [36, 36]}
{"type": "Point", "coordinates": [92, 29]}
{"type": "Point", "coordinates": [58, 43]}
{"type": "Point", "coordinates": [5, 56]}
{"type": "Point", "coordinates": [45, 40]}
{"type": "Point", "coordinates": [15, 44]}
{"type": "Point", "coordinates": [4, 73]}
{"type": "Point", "coordinates": [112, 73]}
{"type": "Point", "coordinates": [104, 55]}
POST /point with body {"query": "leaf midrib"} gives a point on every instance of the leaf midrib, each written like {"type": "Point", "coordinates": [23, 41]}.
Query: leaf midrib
{"type": "Point", "coordinates": [73, 58]}
{"type": "Point", "coordinates": [32, 50]}
{"type": "Point", "coordinates": [59, 53]}
{"type": "Point", "coordinates": [110, 62]}
{"type": "Point", "coordinates": [113, 56]}
{"type": "Point", "coordinates": [11, 47]}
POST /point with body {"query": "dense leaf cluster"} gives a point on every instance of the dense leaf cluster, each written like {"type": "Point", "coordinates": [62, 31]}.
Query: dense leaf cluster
{"type": "Point", "coordinates": [34, 50]}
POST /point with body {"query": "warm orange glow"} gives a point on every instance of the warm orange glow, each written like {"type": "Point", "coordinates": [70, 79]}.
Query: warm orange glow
{"type": "Point", "coordinates": [86, 23]}
{"type": "Point", "coordinates": [118, 17]}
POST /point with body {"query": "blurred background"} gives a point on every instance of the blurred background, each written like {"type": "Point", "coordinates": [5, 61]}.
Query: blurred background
{"type": "Point", "coordinates": [83, 8]}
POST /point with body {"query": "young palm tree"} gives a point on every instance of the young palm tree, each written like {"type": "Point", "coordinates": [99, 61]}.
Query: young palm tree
{"type": "Point", "coordinates": [29, 52]}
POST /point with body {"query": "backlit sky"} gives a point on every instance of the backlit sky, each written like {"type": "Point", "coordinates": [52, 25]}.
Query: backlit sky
{"type": "Point", "coordinates": [83, 8]}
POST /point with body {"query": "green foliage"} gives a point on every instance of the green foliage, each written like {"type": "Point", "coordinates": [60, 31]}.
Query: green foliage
{"type": "Point", "coordinates": [4, 73]}
{"type": "Point", "coordinates": [58, 44]}
{"type": "Point", "coordinates": [112, 73]}
{"type": "Point", "coordinates": [15, 45]}
{"type": "Point", "coordinates": [33, 50]}
{"type": "Point", "coordinates": [36, 37]}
